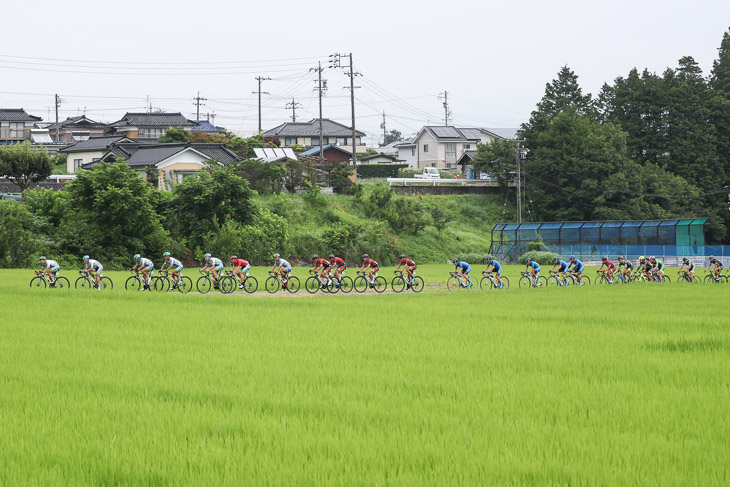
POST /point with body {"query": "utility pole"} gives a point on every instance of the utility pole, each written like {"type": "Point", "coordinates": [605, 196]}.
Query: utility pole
{"type": "Point", "coordinates": [260, 79]}
{"type": "Point", "coordinates": [58, 104]}
{"type": "Point", "coordinates": [196, 102]}
{"type": "Point", "coordinates": [447, 112]}
{"type": "Point", "coordinates": [321, 87]}
{"type": "Point", "coordinates": [382, 126]}
{"type": "Point", "coordinates": [518, 160]}
{"type": "Point", "coordinates": [293, 105]}
{"type": "Point", "coordinates": [336, 63]}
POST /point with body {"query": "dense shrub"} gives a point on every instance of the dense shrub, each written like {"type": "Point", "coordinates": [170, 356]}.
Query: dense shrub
{"type": "Point", "coordinates": [19, 230]}
{"type": "Point", "coordinates": [542, 258]}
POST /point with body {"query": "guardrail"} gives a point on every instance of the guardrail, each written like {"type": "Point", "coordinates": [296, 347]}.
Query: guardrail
{"type": "Point", "coordinates": [441, 182]}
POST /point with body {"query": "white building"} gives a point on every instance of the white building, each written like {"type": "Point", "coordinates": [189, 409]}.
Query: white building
{"type": "Point", "coordinates": [441, 147]}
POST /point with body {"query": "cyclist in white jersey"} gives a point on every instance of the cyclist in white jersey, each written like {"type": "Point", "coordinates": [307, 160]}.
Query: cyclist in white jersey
{"type": "Point", "coordinates": [284, 268]}
{"type": "Point", "coordinates": [146, 266]}
{"type": "Point", "coordinates": [50, 268]}
{"type": "Point", "coordinates": [173, 264]}
{"type": "Point", "coordinates": [94, 268]}
{"type": "Point", "coordinates": [214, 264]}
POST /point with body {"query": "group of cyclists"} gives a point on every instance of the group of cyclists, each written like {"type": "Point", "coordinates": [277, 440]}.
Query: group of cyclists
{"type": "Point", "coordinates": [333, 266]}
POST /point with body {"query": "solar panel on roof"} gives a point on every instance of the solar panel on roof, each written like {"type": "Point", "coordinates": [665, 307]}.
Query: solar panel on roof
{"type": "Point", "coordinates": [289, 153]}
{"type": "Point", "coordinates": [447, 132]}
{"type": "Point", "coordinates": [471, 134]}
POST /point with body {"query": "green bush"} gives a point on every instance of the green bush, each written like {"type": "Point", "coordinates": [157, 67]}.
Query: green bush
{"type": "Point", "coordinates": [542, 258]}
{"type": "Point", "coordinates": [18, 234]}
{"type": "Point", "coordinates": [371, 171]}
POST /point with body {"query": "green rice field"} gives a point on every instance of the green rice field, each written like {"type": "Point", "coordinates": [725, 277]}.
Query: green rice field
{"type": "Point", "coordinates": [591, 385]}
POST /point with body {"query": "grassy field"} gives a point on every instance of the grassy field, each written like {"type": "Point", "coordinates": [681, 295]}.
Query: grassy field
{"type": "Point", "coordinates": [620, 385]}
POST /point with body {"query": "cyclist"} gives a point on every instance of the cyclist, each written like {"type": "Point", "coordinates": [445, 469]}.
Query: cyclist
{"type": "Point", "coordinates": [533, 267]}
{"type": "Point", "coordinates": [627, 268]}
{"type": "Point", "coordinates": [610, 268]}
{"type": "Point", "coordinates": [561, 265]}
{"type": "Point", "coordinates": [690, 268]}
{"type": "Point", "coordinates": [496, 270]}
{"type": "Point", "coordinates": [173, 264]}
{"type": "Point", "coordinates": [658, 267]}
{"type": "Point", "coordinates": [368, 263]}
{"type": "Point", "coordinates": [146, 266]}
{"type": "Point", "coordinates": [410, 266]}
{"type": "Point", "coordinates": [338, 265]}
{"type": "Point", "coordinates": [215, 265]}
{"type": "Point", "coordinates": [50, 268]}
{"type": "Point", "coordinates": [463, 269]}
{"type": "Point", "coordinates": [95, 269]}
{"type": "Point", "coordinates": [646, 266]}
{"type": "Point", "coordinates": [322, 265]}
{"type": "Point", "coordinates": [716, 267]}
{"type": "Point", "coordinates": [240, 267]}
{"type": "Point", "coordinates": [577, 269]}
{"type": "Point", "coordinates": [284, 268]}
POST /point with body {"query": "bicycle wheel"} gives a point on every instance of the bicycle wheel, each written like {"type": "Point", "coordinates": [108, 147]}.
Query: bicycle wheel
{"type": "Point", "coordinates": [505, 283]}
{"type": "Point", "coordinates": [62, 283]}
{"type": "Point", "coordinates": [453, 283]}
{"type": "Point", "coordinates": [525, 282]}
{"type": "Point", "coordinates": [292, 285]}
{"type": "Point", "coordinates": [485, 284]}
{"type": "Point", "coordinates": [226, 285]}
{"type": "Point", "coordinates": [666, 278]}
{"type": "Point", "coordinates": [346, 284]}
{"type": "Point", "coordinates": [398, 284]}
{"type": "Point", "coordinates": [132, 283]}
{"type": "Point", "coordinates": [541, 281]}
{"type": "Point", "coordinates": [380, 284]}
{"type": "Point", "coordinates": [312, 285]}
{"type": "Point", "coordinates": [601, 280]}
{"type": "Point", "coordinates": [272, 285]}
{"type": "Point", "coordinates": [204, 284]}
{"type": "Point", "coordinates": [250, 285]}
{"type": "Point", "coordinates": [161, 284]}
{"type": "Point", "coordinates": [106, 283]}
{"type": "Point", "coordinates": [360, 284]}
{"type": "Point", "coordinates": [83, 283]}
{"type": "Point", "coordinates": [185, 284]}
{"type": "Point", "coordinates": [38, 282]}
{"type": "Point", "coordinates": [554, 281]}
{"type": "Point", "coordinates": [417, 284]}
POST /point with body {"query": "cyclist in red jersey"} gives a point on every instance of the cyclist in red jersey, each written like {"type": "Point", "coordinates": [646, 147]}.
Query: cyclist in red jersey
{"type": "Point", "coordinates": [338, 265]}
{"type": "Point", "coordinates": [322, 264]}
{"type": "Point", "coordinates": [240, 267]}
{"type": "Point", "coordinates": [368, 263]}
{"type": "Point", "coordinates": [610, 268]}
{"type": "Point", "coordinates": [410, 266]}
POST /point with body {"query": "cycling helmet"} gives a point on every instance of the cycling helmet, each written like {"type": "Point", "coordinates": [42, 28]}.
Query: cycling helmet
{"type": "Point", "coordinates": [276, 256]}
{"type": "Point", "coordinates": [455, 260]}
{"type": "Point", "coordinates": [233, 257]}
{"type": "Point", "coordinates": [402, 256]}
{"type": "Point", "coordinates": [528, 260]}
{"type": "Point", "coordinates": [604, 258]}
{"type": "Point", "coordinates": [652, 258]}
{"type": "Point", "coordinates": [207, 256]}
{"type": "Point", "coordinates": [332, 256]}
{"type": "Point", "coordinates": [365, 256]}
{"type": "Point", "coordinates": [42, 258]}
{"type": "Point", "coordinates": [572, 257]}
{"type": "Point", "coordinates": [166, 254]}
{"type": "Point", "coordinates": [641, 258]}
{"type": "Point", "coordinates": [315, 257]}
{"type": "Point", "coordinates": [137, 256]}
{"type": "Point", "coordinates": [86, 257]}
{"type": "Point", "coordinates": [489, 258]}
{"type": "Point", "coordinates": [555, 259]}
{"type": "Point", "coordinates": [712, 258]}
{"type": "Point", "coordinates": [620, 258]}
{"type": "Point", "coordinates": [685, 259]}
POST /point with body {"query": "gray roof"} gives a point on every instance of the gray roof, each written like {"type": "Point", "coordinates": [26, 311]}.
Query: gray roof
{"type": "Point", "coordinates": [469, 133]}
{"type": "Point", "coordinates": [162, 120]}
{"type": "Point", "coordinates": [17, 115]}
{"type": "Point", "coordinates": [136, 154]}
{"type": "Point", "coordinates": [311, 129]}
{"type": "Point", "coordinates": [374, 156]}
{"type": "Point", "coordinates": [467, 157]}
{"type": "Point", "coordinates": [80, 122]}
{"type": "Point", "coordinates": [505, 133]}
{"type": "Point", "coordinates": [94, 144]}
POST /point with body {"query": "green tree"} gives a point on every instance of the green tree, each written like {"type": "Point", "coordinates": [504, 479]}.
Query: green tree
{"type": "Point", "coordinates": [23, 165]}
{"type": "Point", "coordinates": [264, 177]}
{"type": "Point", "coordinates": [176, 134]}
{"type": "Point", "coordinates": [406, 215]}
{"type": "Point", "coordinates": [392, 136]}
{"type": "Point", "coordinates": [440, 218]}
{"type": "Point", "coordinates": [497, 158]}
{"type": "Point", "coordinates": [18, 235]}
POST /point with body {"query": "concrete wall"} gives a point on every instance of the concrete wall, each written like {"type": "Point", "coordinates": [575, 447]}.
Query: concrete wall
{"type": "Point", "coordinates": [445, 190]}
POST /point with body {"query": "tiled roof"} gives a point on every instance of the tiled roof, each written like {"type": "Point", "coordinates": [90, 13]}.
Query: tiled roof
{"type": "Point", "coordinates": [17, 115]}
{"type": "Point", "coordinates": [375, 156]}
{"type": "Point", "coordinates": [162, 120]}
{"type": "Point", "coordinates": [136, 154]}
{"type": "Point", "coordinates": [78, 122]}
{"type": "Point", "coordinates": [311, 129]}
{"type": "Point", "coordinates": [94, 144]}
{"type": "Point", "coordinates": [206, 126]}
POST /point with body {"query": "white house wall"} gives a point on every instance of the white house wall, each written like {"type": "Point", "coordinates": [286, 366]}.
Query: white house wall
{"type": "Point", "coordinates": [86, 158]}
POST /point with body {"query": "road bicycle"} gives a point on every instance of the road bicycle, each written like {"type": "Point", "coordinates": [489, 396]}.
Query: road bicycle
{"type": "Point", "coordinates": [583, 279]}
{"type": "Point", "coordinates": [620, 276]}
{"type": "Point", "coordinates": [560, 279]}
{"type": "Point", "coordinates": [660, 278]}
{"type": "Point", "coordinates": [206, 282]}
{"type": "Point", "coordinates": [315, 283]}
{"type": "Point", "coordinates": [41, 280]}
{"type": "Point", "coordinates": [713, 278]}
{"type": "Point", "coordinates": [400, 283]}
{"type": "Point", "coordinates": [489, 281]}
{"type": "Point", "coordinates": [343, 283]}
{"type": "Point", "coordinates": [86, 281]}
{"type": "Point", "coordinates": [362, 282]}
{"type": "Point", "coordinates": [275, 282]}
{"type": "Point", "coordinates": [250, 284]}
{"type": "Point", "coordinates": [136, 282]}
{"type": "Point", "coordinates": [528, 281]}
{"type": "Point", "coordinates": [457, 281]}
{"type": "Point", "coordinates": [166, 282]}
{"type": "Point", "coordinates": [602, 278]}
{"type": "Point", "coordinates": [685, 277]}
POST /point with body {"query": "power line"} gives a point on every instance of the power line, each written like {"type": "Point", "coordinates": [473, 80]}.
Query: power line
{"type": "Point", "coordinates": [260, 79]}
{"type": "Point", "coordinates": [197, 102]}
{"type": "Point", "coordinates": [293, 105]}
{"type": "Point", "coordinates": [164, 63]}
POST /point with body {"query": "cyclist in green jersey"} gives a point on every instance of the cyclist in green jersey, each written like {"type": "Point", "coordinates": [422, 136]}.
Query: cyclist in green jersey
{"type": "Point", "coordinates": [690, 268]}
{"type": "Point", "coordinates": [716, 267]}
{"type": "Point", "coordinates": [658, 267]}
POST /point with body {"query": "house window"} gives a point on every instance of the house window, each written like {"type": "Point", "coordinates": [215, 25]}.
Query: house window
{"type": "Point", "coordinates": [17, 130]}
{"type": "Point", "coordinates": [413, 151]}
{"type": "Point", "coordinates": [450, 149]}
{"type": "Point", "coordinates": [151, 133]}
{"type": "Point", "coordinates": [467, 146]}
{"type": "Point", "coordinates": [425, 147]}
{"type": "Point", "coordinates": [77, 163]}
{"type": "Point", "coordinates": [341, 140]}
{"type": "Point", "coordinates": [180, 175]}
{"type": "Point", "coordinates": [290, 141]}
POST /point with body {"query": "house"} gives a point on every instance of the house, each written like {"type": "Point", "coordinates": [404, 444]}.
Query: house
{"type": "Point", "coordinates": [172, 162]}
{"type": "Point", "coordinates": [15, 124]}
{"type": "Point", "coordinates": [75, 129]}
{"type": "Point", "coordinates": [378, 159]}
{"type": "Point", "coordinates": [88, 151]}
{"type": "Point", "coordinates": [149, 125]}
{"type": "Point", "coordinates": [330, 153]}
{"type": "Point", "coordinates": [442, 147]}
{"type": "Point", "coordinates": [307, 134]}
{"type": "Point", "coordinates": [406, 152]}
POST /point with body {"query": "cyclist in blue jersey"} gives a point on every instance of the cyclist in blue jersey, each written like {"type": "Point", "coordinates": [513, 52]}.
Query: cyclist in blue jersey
{"type": "Point", "coordinates": [577, 268]}
{"type": "Point", "coordinates": [463, 269]}
{"type": "Point", "coordinates": [534, 269]}
{"type": "Point", "coordinates": [496, 270]}
{"type": "Point", "coordinates": [560, 264]}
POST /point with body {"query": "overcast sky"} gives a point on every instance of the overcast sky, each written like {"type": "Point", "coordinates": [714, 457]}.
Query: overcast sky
{"type": "Point", "coordinates": [493, 58]}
